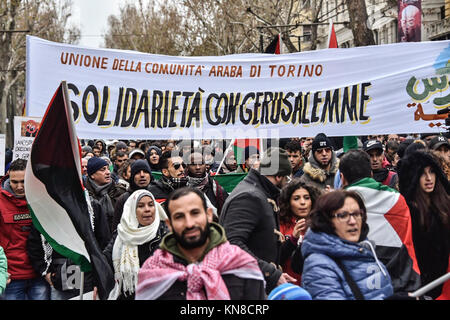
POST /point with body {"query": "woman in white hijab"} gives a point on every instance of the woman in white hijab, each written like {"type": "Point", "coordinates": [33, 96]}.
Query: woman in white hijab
{"type": "Point", "coordinates": [138, 235]}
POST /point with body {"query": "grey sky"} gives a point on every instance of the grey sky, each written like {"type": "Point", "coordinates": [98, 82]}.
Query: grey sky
{"type": "Point", "coordinates": [91, 16]}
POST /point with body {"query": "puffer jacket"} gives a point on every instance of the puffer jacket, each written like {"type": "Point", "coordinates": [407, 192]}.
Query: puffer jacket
{"type": "Point", "coordinates": [325, 280]}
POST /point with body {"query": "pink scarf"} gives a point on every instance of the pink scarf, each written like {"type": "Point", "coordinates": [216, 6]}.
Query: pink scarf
{"type": "Point", "coordinates": [160, 272]}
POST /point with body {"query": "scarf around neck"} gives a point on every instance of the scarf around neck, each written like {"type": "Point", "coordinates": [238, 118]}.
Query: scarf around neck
{"type": "Point", "coordinates": [129, 236]}
{"type": "Point", "coordinates": [198, 183]}
{"type": "Point", "coordinates": [101, 193]}
{"type": "Point", "coordinates": [160, 272]}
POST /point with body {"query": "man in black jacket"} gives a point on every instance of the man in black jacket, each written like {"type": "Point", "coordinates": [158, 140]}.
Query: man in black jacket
{"type": "Point", "coordinates": [250, 215]}
{"type": "Point", "coordinates": [102, 187]}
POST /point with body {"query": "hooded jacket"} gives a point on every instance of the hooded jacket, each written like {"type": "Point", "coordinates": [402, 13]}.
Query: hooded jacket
{"type": "Point", "coordinates": [325, 280]}
{"type": "Point", "coordinates": [15, 226]}
{"type": "Point", "coordinates": [318, 177]}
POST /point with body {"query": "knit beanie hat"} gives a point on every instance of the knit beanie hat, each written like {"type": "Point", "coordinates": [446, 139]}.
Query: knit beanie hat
{"type": "Point", "coordinates": [275, 162]}
{"type": "Point", "coordinates": [139, 165]}
{"type": "Point", "coordinates": [321, 141]}
{"type": "Point", "coordinates": [95, 164]}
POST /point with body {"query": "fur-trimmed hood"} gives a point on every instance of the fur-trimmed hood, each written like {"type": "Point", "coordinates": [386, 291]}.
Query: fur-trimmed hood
{"type": "Point", "coordinates": [316, 173]}
{"type": "Point", "coordinates": [411, 168]}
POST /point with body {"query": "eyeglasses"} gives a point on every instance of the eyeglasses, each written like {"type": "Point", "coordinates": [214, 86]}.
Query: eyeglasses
{"type": "Point", "coordinates": [345, 216]}
{"type": "Point", "coordinates": [178, 165]}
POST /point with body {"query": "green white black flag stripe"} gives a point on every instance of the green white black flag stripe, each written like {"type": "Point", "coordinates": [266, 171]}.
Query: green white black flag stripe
{"type": "Point", "coordinates": [56, 195]}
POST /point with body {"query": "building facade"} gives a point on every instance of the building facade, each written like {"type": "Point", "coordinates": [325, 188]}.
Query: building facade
{"type": "Point", "coordinates": [382, 20]}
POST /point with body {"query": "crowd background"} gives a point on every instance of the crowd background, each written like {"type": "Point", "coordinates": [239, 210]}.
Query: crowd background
{"type": "Point", "coordinates": [300, 201]}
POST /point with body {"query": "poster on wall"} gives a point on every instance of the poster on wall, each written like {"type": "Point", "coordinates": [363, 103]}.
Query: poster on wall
{"type": "Point", "coordinates": [2, 154]}
{"type": "Point", "coordinates": [409, 20]}
{"type": "Point", "coordinates": [25, 130]}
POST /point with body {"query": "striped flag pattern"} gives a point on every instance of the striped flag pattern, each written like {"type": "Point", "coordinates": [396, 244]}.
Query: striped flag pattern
{"type": "Point", "coordinates": [59, 205]}
{"type": "Point", "coordinates": [390, 228]}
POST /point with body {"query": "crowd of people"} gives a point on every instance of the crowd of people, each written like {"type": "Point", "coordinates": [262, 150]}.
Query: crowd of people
{"type": "Point", "coordinates": [341, 217]}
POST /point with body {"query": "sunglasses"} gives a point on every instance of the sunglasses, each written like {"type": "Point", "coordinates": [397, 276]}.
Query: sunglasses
{"type": "Point", "coordinates": [178, 165]}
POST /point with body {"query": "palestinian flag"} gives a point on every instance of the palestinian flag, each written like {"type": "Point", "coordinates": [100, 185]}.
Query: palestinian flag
{"type": "Point", "coordinates": [239, 146]}
{"type": "Point", "coordinates": [59, 205]}
{"type": "Point", "coordinates": [390, 228]}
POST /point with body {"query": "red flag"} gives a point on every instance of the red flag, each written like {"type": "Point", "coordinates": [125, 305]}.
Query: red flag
{"type": "Point", "coordinates": [332, 40]}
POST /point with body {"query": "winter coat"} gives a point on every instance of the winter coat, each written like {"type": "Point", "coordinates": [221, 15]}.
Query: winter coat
{"type": "Point", "coordinates": [386, 177]}
{"type": "Point", "coordinates": [114, 192]}
{"type": "Point", "coordinates": [314, 175]}
{"type": "Point", "coordinates": [250, 219]}
{"type": "Point", "coordinates": [160, 190]}
{"type": "Point", "coordinates": [15, 226]}
{"type": "Point", "coordinates": [325, 280]}
{"type": "Point", "coordinates": [432, 245]}
{"type": "Point", "coordinates": [289, 247]}
{"type": "Point", "coordinates": [433, 259]}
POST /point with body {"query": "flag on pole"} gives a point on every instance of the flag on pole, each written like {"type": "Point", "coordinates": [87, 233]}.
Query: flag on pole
{"type": "Point", "coordinates": [332, 40]}
{"type": "Point", "coordinates": [275, 45]}
{"type": "Point", "coordinates": [58, 203]}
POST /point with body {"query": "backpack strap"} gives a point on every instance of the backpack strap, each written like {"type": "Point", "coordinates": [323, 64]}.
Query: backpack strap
{"type": "Point", "coordinates": [353, 286]}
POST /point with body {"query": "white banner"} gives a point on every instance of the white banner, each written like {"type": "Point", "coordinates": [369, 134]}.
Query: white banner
{"type": "Point", "coordinates": [395, 88]}
{"type": "Point", "coordinates": [2, 154]}
{"type": "Point", "coordinates": [25, 129]}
